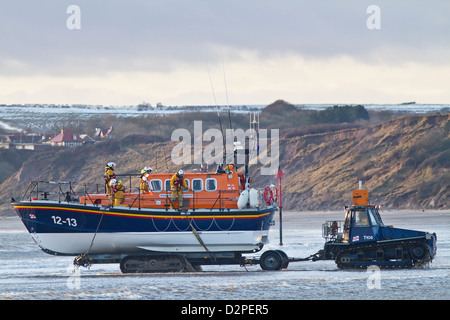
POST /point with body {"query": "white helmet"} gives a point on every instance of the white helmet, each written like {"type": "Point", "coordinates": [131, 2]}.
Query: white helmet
{"type": "Point", "coordinates": [112, 181]}
{"type": "Point", "coordinates": [148, 169]}
{"type": "Point", "coordinates": [180, 172]}
{"type": "Point", "coordinates": [111, 164]}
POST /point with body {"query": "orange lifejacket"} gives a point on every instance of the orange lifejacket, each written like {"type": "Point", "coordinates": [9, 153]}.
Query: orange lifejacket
{"type": "Point", "coordinates": [177, 183]}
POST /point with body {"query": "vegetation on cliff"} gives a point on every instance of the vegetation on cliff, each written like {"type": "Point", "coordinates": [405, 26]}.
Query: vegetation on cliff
{"type": "Point", "coordinates": [403, 160]}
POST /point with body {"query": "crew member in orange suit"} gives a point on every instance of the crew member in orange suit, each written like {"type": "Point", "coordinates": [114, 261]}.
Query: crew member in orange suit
{"type": "Point", "coordinates": [177, 183]}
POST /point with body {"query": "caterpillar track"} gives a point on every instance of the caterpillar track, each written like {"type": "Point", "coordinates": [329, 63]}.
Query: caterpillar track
{"type": "Point", "coordinates": [151, 264]}
{"type": "Point", "coordinates": [397, 255]}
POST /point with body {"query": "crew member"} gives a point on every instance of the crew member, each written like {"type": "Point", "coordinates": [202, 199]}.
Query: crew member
{"type": "Point", "coordinates": [230, 168]}
{"type": "Point", "coordinates": [177, 183]}
{"type": "Point", "coordinates": [116, 195]}
{"type": "Point", "coordinates": [334, 228]}
{"type": "Point", "coordinates": [144, 184]}
{"type": "Point", "coordinates": [109, 174]}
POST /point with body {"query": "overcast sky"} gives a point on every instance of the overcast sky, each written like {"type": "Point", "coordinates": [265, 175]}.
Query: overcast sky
{"type": "Point", "coordinates": [127, 52]}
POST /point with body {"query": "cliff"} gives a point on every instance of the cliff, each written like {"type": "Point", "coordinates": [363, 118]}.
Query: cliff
{"type": "Point", "coordinates": [404, 163]}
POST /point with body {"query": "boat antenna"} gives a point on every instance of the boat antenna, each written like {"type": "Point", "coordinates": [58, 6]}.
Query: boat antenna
{"type": "Point", "coordinates": [254, 129]}
{"type": "Point", "coordinates": [163, 143]}
{"type": "Point", "coordinates": [212, 88]}
{"type": "Point", "coordinates": [229, 111]}
{"type": "Point", "coordinates": [226, 93]}
{"type": "Point", "coordinates": [218, 114]}
{"type": "Point", "coordinates": [157, 151]}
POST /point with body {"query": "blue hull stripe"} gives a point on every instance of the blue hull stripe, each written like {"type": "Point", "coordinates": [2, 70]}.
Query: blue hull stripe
{"type": "Point", "coordinates": [73, 218]}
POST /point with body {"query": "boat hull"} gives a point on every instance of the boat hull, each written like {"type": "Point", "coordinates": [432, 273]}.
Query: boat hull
{"type": "Point", "coordinates": [73, 229]}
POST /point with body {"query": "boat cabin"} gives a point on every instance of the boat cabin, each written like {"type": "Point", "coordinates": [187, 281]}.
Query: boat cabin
{"type": "Point", "coordinates": [205, 191]}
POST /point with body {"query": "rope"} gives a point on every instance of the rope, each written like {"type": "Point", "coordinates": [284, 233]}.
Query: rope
{"type": "Point", "coordinates": [81, 259]}
{"type": "Point", "coordinates": [213, 257]}
{"type": "Point", "coordinates": [206, 229]}
{"type": "Point", "coordinates": [168, 225]}
{"type": "Point", "coordinates": [224, 229]}
{"type": "Point", "coordinates": [180, 229]}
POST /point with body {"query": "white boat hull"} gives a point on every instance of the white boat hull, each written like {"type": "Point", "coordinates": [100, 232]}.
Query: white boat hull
{"type": "Point", "coordinates": [180, 242]}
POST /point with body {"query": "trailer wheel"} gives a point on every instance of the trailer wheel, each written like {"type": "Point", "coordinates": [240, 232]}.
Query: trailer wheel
{"type": "Point", "coordinates": [285, 258]}
{"type": "Point", "coordinates": [271, 260]}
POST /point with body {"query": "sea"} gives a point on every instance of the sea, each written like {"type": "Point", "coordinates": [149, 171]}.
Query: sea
{"type": "Point", "coordinates": [27, 273]}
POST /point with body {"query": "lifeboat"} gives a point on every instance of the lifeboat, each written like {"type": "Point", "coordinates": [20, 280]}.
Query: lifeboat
{"type": "Point", "coordinates": [79, 220]}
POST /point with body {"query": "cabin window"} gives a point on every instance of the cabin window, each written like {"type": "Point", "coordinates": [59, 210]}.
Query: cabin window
{"type": "Point", "coordinates": [187, 182]}
{"type": "Point", "coordinates": [361, 218]}
{"type": "Point", "coordinates": [373, 220]}
{"type": "Point", "coordinates": [377, 214]}
{"type": "Point", "coordinates": [211, 184]}
{"type": "Point", "coordinates": [156, 185]}
{"type": "Point", "coordinates": [167, 183]}
{"type": "Point", "coordinates": [197, 185]}
{"type": "Point", "coordinates": [348, 217]}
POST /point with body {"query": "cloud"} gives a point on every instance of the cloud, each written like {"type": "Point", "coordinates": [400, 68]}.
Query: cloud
{"type": "Point", "coordinates": [250, 79]}
{"type": "Point", "coordinates": [162, 47]}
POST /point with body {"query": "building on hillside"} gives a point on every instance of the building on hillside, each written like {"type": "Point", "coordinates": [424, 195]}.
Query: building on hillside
{"type": "Point", "coordinates": [24, 146]}
{"type": "Point", "coordinates": [22, 141]}
{"type": "Point", "coordinates": [66, 139]}
{"type": "Point", "coordinates": [86, 138]}
{"type": "Point", "coordinates": [103, 133]}
{"type": "Point", "coordinates": [20, 137]}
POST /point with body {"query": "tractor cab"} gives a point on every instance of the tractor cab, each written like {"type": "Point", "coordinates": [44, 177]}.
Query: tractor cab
{"type": "Point", "coordinates": [361, 224]}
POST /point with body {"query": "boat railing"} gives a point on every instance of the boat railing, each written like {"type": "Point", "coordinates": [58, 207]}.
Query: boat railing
{"type": "Point", "coordinates": [61, 191]}
{"type": "Point", "coordinates": [72, 192]}
{"type": "Point", "coordinates": [220, 202]}
{"type": "Point", "coordinates": [332, 230]}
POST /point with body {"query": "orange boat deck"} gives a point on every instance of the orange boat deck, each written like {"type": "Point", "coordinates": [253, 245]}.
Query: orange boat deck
{"type": "Point", "coordinates": [205, 191]}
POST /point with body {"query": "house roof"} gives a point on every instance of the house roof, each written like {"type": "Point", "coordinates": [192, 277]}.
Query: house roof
{"type": "Point", "coordinates": [85, 137]}
{"type": "Point", "coordinates": [66, 136]}
{"type": "Point", "coordinates": [22, 138]}
{"type": "Point", "coordinates": [99, 132]}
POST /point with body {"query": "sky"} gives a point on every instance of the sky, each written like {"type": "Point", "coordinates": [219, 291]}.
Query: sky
{"type": "Point", "coordinates": [205, 52]}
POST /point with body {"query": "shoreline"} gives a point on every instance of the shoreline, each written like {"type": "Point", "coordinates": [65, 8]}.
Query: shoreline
{"type": "Point", "coordinates": [386, 210]}
{"type": "Point", "coordinates": [13, 222]}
